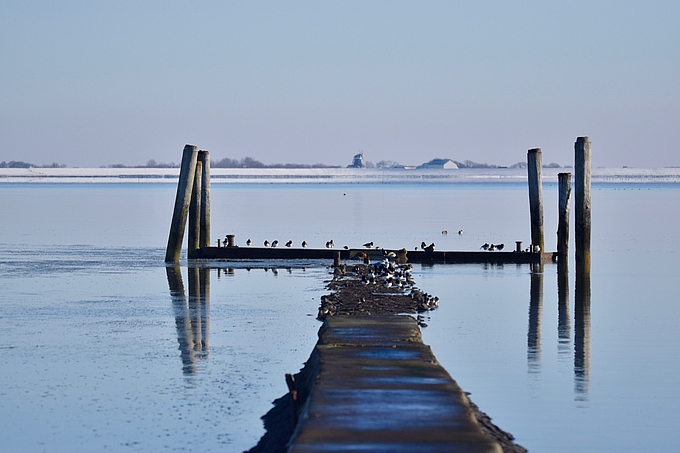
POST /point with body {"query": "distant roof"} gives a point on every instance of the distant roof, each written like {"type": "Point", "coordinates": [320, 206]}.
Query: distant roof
{"type": "Point", "coordinates": [439, 161]}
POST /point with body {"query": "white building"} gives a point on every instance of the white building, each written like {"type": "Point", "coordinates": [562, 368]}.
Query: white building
{"type": "Point", "coordinates": [440, 164]}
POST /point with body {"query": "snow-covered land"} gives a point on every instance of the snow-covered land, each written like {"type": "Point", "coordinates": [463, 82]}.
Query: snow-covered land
{"type": "Point", "coordinates": [326, 175]}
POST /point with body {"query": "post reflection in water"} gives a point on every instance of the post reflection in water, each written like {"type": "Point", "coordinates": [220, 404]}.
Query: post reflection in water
{"type": "Point", "coordinates": [563, 315]}
{"type": "Point", "coordinates": [582, 336]}
{"type": "Point", "coordinates": [535, 309]}
{"type": "Point", "coordinates": [192, 317]}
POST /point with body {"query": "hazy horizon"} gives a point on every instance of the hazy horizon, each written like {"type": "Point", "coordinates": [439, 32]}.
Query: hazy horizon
{"type": "Point", "coordinates": [90, 84]}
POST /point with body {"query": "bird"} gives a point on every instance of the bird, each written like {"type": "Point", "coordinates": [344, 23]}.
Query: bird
{"type": "Point", "coordinates": [445, 232]}
{"type": "Point", "coordinates": [289, 243]}
{"type": "Point", "coordinates": [423, 245]}
{"type": "Point", "coordinates": [485, 246]}
{"type": "Point", "coordinates": [304, 244]}
{"type": "Point", "coordinates": [346, 248]}
{"type": "Point", "coordinates": [248, 242]}
{"type": "Point", "coordinates": [329, 244]}
{"type": "Point", "coordinates": [368, 245]}
{"type": "Point", "coordinates": [266, 243]}
{"type": "Point", "coordinates": [460, 231]}
{"type": "Point", "coordinates": [537, 248]}
{"type": "Point", "coordinates": [430, 248]}
{"type": "Point", "coordinates": [492, 247]}
{"type": "Point", "coordinates": [500, 246]}
{"type": "Point", "coordinates": [275, 243]}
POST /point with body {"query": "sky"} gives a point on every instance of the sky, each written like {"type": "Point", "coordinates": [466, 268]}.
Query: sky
{"type": "Point", "coordinates": [87, 83]}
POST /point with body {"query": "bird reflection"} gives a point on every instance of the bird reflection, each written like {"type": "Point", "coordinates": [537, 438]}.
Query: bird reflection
{"type": "Point", "coordinates": [582, 336]}
{"type": "Point", "coordinates": [535, 309]}
{"type": "Point", "coordinates": [192, 317]}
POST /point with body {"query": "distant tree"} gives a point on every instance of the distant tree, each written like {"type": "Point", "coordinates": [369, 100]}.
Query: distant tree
{"type": "Point", "coordinates": [552, 165]}
{"type": "Point", "coordinates": [53, 165]}
{"type": "Point", "coordinates": [16, 164]}
{"type": "Point", "coordinates": [388, 164]}
{"type": "Point", "coordinates": [519, 165]}
{"type": "Point", "coordinates": [153, 164]}
{"type": "Point", "coordinates": [472, 164]}
{"type": "Point", "coordinates": [369, 164]}
{"type": "Point", "coordinates": [249, 162]}
{"type": "Point", "coordinates": [226, 163]}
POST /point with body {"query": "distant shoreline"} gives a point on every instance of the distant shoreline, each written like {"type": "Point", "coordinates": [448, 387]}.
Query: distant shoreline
{"type": "Point", "coordinates": [327, 175]}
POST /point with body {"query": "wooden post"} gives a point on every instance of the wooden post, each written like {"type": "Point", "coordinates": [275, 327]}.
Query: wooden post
{"type": "Point", "coordinates": [564, 183]}
{"type": "Point", "coordinates": [582, 200]}
{"type": "Point", "coordinates": [534, 169]}
{"type": "Point", "coordinates": [204, 158]}
{"type": "Point", "coordinates": [195, 215]}
{"type": "Point", "coordinates": [179, 214]}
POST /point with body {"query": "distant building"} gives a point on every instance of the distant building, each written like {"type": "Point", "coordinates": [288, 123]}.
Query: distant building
{"type": "Point", "coordinates": [358, 161]}
{"type": "Point", "coordinates": [440, 164]}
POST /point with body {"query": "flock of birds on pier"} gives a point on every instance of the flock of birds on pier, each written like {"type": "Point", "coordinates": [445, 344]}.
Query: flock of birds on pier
{"type": "Point", "coordinates": [389, 276]}
{"type": "Point", "coordinates": [369, 245]}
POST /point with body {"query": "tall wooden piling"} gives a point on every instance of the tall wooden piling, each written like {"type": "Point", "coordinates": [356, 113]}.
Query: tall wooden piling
{"type": "Point", "coordinates": [194, 242]}
{"type": "Point", "coordinates": [204, 158]}
{"type": "Point", "coordinates": [582, 149]}
{"type": "Point", "coordinates": [534, 169]}
{"type": "Point", "coordinates": [564, 185]}
{"type": "Point", "coordinates": [182, 200]}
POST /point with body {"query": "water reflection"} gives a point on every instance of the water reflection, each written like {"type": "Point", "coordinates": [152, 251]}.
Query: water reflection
{"type": "Point", "coordinates": [563, 315]}
{"type": "Point", "coordinates": [192, 316]}
{"type": "Point", "coordinates": [582, 336]}
{"type": "Point", "coordinates": [535, 311]}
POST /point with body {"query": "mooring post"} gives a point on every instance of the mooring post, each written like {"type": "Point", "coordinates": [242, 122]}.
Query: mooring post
{"type": "Point", "coordinates": [204, 158]}
{"type": "Point", "coordinates": [534, 169]}
{"type": "Point", "coordinates": [564, 186]}
{"type": "Point", "coordinates": [194, 243]}
{"type": "Point", "coordinates": [182, 199]}
{"type": "Point", "coordinates": [582, 200]}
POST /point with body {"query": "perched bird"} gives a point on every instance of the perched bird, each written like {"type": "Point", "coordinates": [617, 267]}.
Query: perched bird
{"type": "Point", "coordinates": [329, 244]}
{"type": "Point", "coordinates": [289, 243]}
{"type": "Point", "coordinates": [275, 243]}
{"type": "Point", "coordinates": [346, 248]}
{"type": "Point", "coordinates": [485, 246]}
{"type": "Point", "coordinates": [423, 245]}
{"type": "Point", "coordinates": [304, 244]}
{"type": "Point", "coordinates": [248, 242]}
{"type": "Point", "coordinates": [537, 248]}
{"type": "Point", "coordinates": [368, 245]}
{"type": "Point", "coordinates": [430, 248]}
{"type": "Point", "coordinates": [266, 243]}
{"type": "Point", "coordinates": [445, 232]}
{"type": "Point", "coordinates": [460, 231]}
{"type": "Point", "coordinates": [500, 246]}
{"type": "Point", "coordinates": [492, 247]}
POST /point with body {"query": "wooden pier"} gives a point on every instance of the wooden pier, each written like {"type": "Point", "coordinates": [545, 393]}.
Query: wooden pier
{"type": "Point", "coordinates": [379, 388]}
{"type": "Point", "coordinates": [415, 256]}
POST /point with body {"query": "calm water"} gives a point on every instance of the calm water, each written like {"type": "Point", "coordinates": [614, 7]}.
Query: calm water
{"type": "Point", "coordinates": [101, 351]}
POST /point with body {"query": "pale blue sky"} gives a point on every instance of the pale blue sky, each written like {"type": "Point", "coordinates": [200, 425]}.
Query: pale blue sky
{"type": "Point", "coordinates": [88, 83]}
